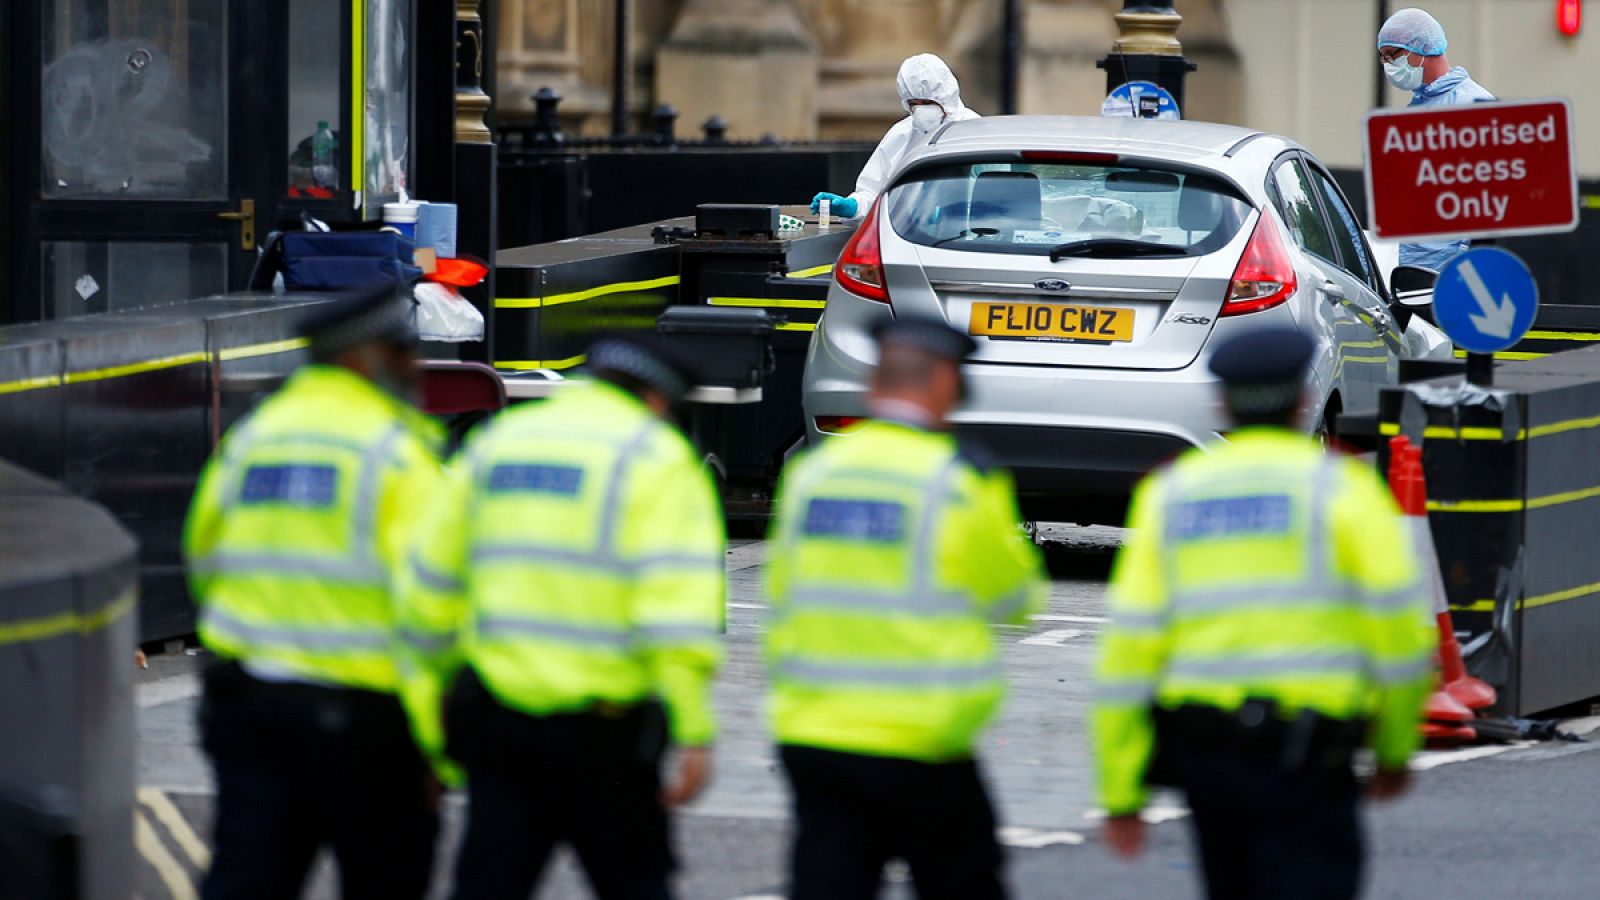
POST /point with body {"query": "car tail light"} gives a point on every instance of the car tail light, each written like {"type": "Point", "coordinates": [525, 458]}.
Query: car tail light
{"type": "Point", "coordinates": [1064, 157]}
{"type": "Point", "coordinates": [836, 424]}
{"type": "Point", "coordinates": [860, 267]}
{"type": "Point", "coordinates": [1265, 276]}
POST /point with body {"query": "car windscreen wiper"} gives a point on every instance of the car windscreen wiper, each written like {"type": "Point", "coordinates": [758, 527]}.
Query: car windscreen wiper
{"type": "Point", "coordinates": [965, 233]}
{"type": "Point", "coordinates": [1114, 248]}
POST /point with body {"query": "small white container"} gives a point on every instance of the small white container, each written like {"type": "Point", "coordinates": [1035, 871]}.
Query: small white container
{"type": "Point", "coordinates": [402, 217]}
{"type": "Point", "coordinates": [825, 214]}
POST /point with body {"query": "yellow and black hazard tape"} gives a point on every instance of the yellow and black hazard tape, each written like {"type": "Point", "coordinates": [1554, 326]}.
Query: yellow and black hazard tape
{"type": "Point", "coordinates": [1471, 433]}
{"type": "Point", "coordinates": [812, 272]}
{"type": "Point", "coordinates": [620, 287]}
{"type": "Point", "coordinates": [71, 621]}
{"type": "Point", "coordinates": [1534, 602]}
{"type": "Point", "coordinates": [525, 365]}
{"type": "Point", "coordinates": [40, 382]}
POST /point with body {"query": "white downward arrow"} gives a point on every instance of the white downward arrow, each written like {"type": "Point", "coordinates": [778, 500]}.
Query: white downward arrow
{"type": "Point", "coordinates": [1497, 319]}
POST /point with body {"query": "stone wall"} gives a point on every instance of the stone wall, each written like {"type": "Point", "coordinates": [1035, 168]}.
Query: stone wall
{"type": "Point", "coordinates": [825, 68]}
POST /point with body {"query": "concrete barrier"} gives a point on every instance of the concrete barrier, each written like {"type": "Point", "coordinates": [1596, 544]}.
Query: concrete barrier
{"type": "Point", "coordinates": [124, 408]}
{"type": "Point", "coordinates": [68, 589]}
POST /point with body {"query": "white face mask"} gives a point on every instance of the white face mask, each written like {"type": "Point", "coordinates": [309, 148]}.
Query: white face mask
{"type": "Point", "coordinates": [926, 118]}
{"type": "Point", "coordinates": [1402, 74]}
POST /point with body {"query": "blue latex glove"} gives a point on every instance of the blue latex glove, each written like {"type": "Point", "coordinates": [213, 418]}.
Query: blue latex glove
{"type": "Point", "coordinates": [843, 207]}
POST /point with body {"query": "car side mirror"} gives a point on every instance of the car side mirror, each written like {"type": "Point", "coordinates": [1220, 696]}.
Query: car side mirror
{"type": "Point", "coordinates": [1412, 280]}
{"type": "Point", "coordinates": [1412, 288]}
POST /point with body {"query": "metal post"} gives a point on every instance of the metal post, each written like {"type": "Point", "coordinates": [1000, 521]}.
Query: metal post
{"type": "Point", "coordinates": [665, 118]}
{"type": "Point", "coordinates": [1147, 48]}
{"type": "Point", "coordinates": [1379, 98]}
{"type": "Point", "coordinates": [472, 104]}
{"type": "Point", "coordinates": [621, 71]}
{"type": "Point", "coordinates": [546, 118]}
{"type": "Point", "coordinates": [1010, 55]}
{"type": "Point", "coordinates": [476, 178]}
{"type": "Point", "coordinates": [1480, 369]}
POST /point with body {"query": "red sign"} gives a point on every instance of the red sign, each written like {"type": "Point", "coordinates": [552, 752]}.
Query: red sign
{"type": "Point", "coordinates": [1476, 170]}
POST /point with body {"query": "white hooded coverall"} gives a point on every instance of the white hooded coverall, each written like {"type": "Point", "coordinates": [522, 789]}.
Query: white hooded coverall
{"type": "Point", "coordinates": [922, 77]}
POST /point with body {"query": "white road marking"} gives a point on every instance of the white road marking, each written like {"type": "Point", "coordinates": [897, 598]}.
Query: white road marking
{"type": "Point", "coordinates": [1154, 814]}
{"type": "Point", "coordinates": [1086, 620]}
{"type": "Point", "coordinates": [1034, 839]}
{"type": "Point", "coordinates": [1056, 637]}
{"type": "Point", "coordinates": [167, 690]}
{"type": "Point", "coordinates": [746, 556]}
{"type": "Point", "coordinates": [1433, 759]}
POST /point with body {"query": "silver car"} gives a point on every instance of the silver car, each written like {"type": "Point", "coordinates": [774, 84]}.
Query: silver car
{"type": "Point", "coordinates": [1095, 260]}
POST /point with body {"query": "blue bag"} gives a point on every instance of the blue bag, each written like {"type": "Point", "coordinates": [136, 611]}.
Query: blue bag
{"type": "Point", "coordinates": [345, 260]}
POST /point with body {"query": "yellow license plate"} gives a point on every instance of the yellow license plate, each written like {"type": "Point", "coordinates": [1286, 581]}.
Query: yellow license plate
{"type": "Point", "coordinates": [1052, 322]}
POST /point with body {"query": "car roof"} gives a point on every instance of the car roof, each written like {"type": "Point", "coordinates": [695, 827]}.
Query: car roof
{"type": "Point", "coordinates": [1177, 140]}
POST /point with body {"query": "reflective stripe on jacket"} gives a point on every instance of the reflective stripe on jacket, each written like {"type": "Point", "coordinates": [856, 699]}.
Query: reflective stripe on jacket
{"type": "Point", "coordinates": [1263, 568]}
{"type": "Point", "coordinates": [891, 556]}
{"type": "Point", "coordinates": [575, 558]}
{"type": "Point", "coordinates": [297, 523]}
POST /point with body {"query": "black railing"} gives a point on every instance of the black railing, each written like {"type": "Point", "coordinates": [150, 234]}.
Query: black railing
{"type": "Point", "coordinates": [544, 135]}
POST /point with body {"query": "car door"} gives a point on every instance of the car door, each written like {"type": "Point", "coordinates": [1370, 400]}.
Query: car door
{"type": "Point", "coordinates": [1361, 356]}
{"type": "Point", "coordinates": [1358, 263]}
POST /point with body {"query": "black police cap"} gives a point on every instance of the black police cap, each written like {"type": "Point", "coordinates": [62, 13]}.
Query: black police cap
{"type": "Point", "coordinates": [1267, 356]}
{"type": "Point", "coordinates": [925, 333]}
{"type": "Point", "coordinates": [383, 313]}
{"type": "Point", "coordinates": [648, 358]}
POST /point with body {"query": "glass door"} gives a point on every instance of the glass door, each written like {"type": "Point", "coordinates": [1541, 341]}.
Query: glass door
{"type": "Point", "coordinates": [143, 182]}
{"type": "Point", "coordinates": [173, 136]}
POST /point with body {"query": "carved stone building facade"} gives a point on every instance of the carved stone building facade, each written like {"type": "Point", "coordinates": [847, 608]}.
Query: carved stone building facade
{"type": "Point", "coordinates": [825, 68]}
{"type": "Point", "coordinates": [803, 69]}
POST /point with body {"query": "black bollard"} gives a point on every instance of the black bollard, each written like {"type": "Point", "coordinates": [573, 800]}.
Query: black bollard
{"type": "Point", "coordinates": [716, 129]}
{"type": "Point", "coordinates": [666, 119]}
{"type": "Point", "coordinates": [546, 119]}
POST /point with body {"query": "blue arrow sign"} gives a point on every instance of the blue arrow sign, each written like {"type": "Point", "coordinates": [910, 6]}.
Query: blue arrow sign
{"type": "Point", "coordinates": [1485, 300]}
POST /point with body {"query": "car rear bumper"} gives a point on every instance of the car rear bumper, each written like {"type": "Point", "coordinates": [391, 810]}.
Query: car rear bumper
{"type": "Point", "coordinates": [1074, 461]}
{"type": "Point", "coordinates": [1077, 439]}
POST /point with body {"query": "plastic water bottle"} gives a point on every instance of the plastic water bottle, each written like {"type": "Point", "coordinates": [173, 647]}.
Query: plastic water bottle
{"type": "Point", "coordinates": [323, 171]}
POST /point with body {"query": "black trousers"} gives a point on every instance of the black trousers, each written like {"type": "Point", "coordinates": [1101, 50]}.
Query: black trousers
{"type": "Point", "coordinates": [591, 780]}
{"type": "Point", "coordinates": [301, 767]}
{"type": "Point", "coordinates": [854, 813]}
{"type": "Point", "coordinates": [1263, 832]}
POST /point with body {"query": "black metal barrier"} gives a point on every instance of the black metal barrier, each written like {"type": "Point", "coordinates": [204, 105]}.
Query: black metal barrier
{"type": "Point", "coordinates": [68, 583]}
{"type": "Point", "coordinates": [553, 299]}
{"type": "Point", "coordinates": [1513, 476]}
{"type": "Point", "coordinates": [124, 408]}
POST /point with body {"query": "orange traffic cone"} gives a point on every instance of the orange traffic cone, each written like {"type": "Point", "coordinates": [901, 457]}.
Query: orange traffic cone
{"type": "Point", "coordinates": [1453, 704]}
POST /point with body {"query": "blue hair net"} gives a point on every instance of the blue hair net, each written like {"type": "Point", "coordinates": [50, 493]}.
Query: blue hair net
{"type": "Point", "coordinates": [1413, 30]}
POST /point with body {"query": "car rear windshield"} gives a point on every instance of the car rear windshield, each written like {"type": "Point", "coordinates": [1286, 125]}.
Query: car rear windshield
{"type": "Point", "coordinates": [1113, 209]}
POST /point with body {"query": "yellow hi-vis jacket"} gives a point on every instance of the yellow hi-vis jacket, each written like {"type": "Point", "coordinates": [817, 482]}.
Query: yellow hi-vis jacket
{"type": "Point", "coordinates": [891, 555]}
{"type": "Point", "coordinates": [297, 524]}
{"type": "Point", "coordinates": [574, 558]}
{"type": "Point", "coordinates": [1265, 568]}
